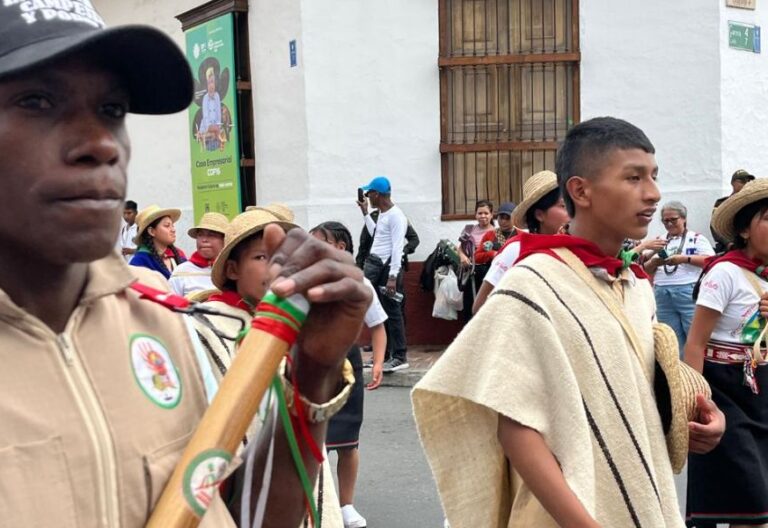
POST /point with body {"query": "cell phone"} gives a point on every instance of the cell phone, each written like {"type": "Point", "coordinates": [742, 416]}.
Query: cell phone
{"type": "Point", "coordinates": [360, 194]}
{"type": "Point", "coordinates": [663, 255]}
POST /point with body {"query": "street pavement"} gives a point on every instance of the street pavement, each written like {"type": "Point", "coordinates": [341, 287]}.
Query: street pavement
{"type": "Point", "coordinates": [395, 487]}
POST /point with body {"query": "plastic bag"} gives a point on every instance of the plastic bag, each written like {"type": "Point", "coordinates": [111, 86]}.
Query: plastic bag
{"type": "Point", "coordinates": [448, 298]}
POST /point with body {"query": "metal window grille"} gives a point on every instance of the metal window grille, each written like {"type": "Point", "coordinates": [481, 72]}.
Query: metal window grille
{"type": "Point", "coordinates": [509, 92]}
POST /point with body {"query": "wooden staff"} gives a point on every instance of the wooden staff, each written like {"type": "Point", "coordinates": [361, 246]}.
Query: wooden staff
{"type": "Point", "coordinates": [218, 435]}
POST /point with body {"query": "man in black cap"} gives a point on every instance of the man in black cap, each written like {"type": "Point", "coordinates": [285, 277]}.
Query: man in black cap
{"type": "Point", "coordinates": [100, 389]}
{"type": "Point", "coordinates": [738, 180]}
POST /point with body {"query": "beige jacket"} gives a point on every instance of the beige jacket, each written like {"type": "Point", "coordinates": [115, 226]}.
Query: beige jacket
{"type": "Point", "coordinates": [94, 419]}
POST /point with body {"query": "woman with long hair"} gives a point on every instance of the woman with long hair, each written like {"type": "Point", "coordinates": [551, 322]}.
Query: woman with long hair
{"type": "Point", "coordinates": [155, 238]}
{"type": "Point", "coordinates": [472, 273]}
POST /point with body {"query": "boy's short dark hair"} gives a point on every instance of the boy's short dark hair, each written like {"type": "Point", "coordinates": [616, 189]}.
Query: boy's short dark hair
{"type": "Point", "coordinates": [130, 204]}
{"type": "Point", "coordinates": [588, 141]}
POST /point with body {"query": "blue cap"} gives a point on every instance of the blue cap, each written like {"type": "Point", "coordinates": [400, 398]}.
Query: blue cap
{"type": "Point", "coordinates": [380, 184]}
{"type": "Point", "coordinates": [506, 208]}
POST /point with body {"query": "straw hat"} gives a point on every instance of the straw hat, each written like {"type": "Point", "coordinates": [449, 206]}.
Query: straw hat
{"type": "Point", "coordinates": [282, 211]}
{"type": "Point", "coordinates": [201, 295]}
{"type": "Point", "coordinates": [534, 189]}
{"type": "Point", "coordinates": [244, 225]}
{"type": "Point", "coordinates": [722, 220]}
{"type": "Point", "coordinates": [148, 215]}
{"type": "Point", "coordinates": [212, 222]}
{"type": "Point", "coordinates": [676, 386]}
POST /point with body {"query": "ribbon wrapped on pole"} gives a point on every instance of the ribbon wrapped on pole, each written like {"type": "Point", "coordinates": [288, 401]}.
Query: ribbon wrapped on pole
{"type": "Point", "coordinates": [205, 460]}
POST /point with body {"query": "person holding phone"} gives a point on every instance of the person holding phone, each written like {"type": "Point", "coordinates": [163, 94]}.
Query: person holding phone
{"type": "Point", "coordinates": [383, 266]}
{"type": "Point", "coordinates": [675, 269]}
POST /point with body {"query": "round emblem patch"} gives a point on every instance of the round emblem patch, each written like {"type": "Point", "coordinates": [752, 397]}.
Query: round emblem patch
{"type": "Point", "coordinates": [202, 478]}
{"type": "Point", "coordinates": [154, 371]}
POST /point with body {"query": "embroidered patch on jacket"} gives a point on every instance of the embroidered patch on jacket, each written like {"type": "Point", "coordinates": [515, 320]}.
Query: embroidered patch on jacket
{"type": "Point", "coordinates": [202, 478]}
{"type": "Point", "coordinates": [154, 370]}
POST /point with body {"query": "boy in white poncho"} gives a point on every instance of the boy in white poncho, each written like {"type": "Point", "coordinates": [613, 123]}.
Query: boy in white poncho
{"type": "Point", "coordinates": [541, 413]}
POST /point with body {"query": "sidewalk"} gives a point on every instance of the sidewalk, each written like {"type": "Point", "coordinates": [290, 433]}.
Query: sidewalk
{"type": "Point", "coordinates": [420, 359]}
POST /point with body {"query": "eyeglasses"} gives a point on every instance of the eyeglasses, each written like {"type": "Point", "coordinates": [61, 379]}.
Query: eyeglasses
{"type": "Point", "coordinates": [668, 221]}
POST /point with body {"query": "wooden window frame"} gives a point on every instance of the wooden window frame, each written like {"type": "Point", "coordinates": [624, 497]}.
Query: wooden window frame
{"type": "Point", "coordinates": [445, 61]}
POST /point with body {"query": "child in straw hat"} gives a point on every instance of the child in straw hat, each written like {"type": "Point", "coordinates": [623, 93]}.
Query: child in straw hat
{"type": "Point", "coordinates": [556, 423]}
{"type": "Point", "coordinates": [241, 273]}
{"type": "Point", "coordinates": [730, 485]}
{"type": "Point", "coordinates": [101, 388]}
{"type": "Point", "coordinates": [194, 275]}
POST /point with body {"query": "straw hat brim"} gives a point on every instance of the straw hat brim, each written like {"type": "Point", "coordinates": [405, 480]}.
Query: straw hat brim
{"type": "Point", "coordinates": [193, 231]}
{"type": "Point", "coordinates": [675, 385]}
{"type": "Point", "coordinates": [218, 273]}
{"type": "Point", "coordinates": [722, 220]}
{"type": "Point", "coordinates": [175, 214]}
{"type": "Point", "coordinates": [518, 215]}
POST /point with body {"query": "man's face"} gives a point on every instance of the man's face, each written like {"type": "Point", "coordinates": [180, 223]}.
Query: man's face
{"type": "Point", "coordinates": [621, 196]}
{"type": "Point", "coordinates": [129, 215]}
{"type": "Point", "coordinates": [737, 185]}
{"type": "Point", "coordinates": [373, 199]}
{"type": "Point", "coordinates": [63, 136]}
{"type": "Point", "coordinates": [209, 243]}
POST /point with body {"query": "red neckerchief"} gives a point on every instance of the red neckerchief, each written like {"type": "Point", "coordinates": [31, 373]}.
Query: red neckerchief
{"type": "Point", "coordinates": [233, 299]}
{"type": "Point", "coordinates": [169, 253]}
{"type": "Point", "coordinates": [586, 251]}
{"type": "Point", "coordinates": [201, 262]}
{"type": "Point", "coordinates": [738, 257]}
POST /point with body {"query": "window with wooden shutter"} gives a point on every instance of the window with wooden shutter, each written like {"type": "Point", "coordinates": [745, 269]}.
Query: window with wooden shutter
{"type": "Point", "coordinates": [509, 92]}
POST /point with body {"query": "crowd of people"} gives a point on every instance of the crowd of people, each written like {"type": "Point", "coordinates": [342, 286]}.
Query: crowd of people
{"type": "Point", "coordinates": [575, 411]}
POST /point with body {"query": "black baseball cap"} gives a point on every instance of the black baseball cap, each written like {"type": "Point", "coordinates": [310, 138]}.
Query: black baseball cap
{"type": "Point", "coordinates": [156, 73]}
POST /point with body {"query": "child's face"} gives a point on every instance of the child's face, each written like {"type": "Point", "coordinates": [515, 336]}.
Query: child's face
{"type": "Point", "coordinates": [250, 270]}
{"type": "Point", "coordinates": [620, 198]}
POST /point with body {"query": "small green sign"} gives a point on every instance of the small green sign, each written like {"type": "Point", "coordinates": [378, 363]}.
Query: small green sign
{"type": "Point", "coordinates": [744, 36]}
{"type": "Point", "coordinates": [214, 150]}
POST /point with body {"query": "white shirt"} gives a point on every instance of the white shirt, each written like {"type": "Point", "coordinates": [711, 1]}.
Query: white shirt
{"type": "Point", "coordinates": [725, 289]}
{"type": "Point", "coordinates": [375, 315]}
{"type": "Point", "coordinates": [189, 278]}
{"type": "Point", "coordinates": [388, 237]}
{"type": "Point", "coordinates": [502, 262]}
{"type": "Point", "coordinates": [695, 244]}
{"type": "Point", "coordinates": [125, 240]}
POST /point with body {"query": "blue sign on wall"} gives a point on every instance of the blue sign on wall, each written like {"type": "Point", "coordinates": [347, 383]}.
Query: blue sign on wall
{"type": "Point", "coordinates": [292, 51]}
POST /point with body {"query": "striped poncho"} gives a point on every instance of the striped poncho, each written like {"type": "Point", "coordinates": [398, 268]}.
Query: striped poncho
{"type": "Point", "coordinates": [545, 352]}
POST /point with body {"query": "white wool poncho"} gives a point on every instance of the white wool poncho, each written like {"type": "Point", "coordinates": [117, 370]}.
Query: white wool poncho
{"type": "Point", "coordinates": [546, 352]}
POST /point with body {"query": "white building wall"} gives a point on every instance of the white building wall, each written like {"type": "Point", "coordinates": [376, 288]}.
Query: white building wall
{"type": "Point", "coordinates": [657, 65]}
{"type": "Point", "coordinates": [364, 100]}
{"type": "Point", "coordinates": [373, 108]}
{"type": "Point", "coordinates": [279, 105]}
{"type": "Point", "coordinates": [744, 98]}
{"type": "Point", "coordinates": [159, 168]}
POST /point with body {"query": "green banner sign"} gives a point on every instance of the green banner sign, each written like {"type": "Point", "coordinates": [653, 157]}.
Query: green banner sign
{"type": "Point", "coordinates": [744, 36]}
{"type": "Point", "coordinates": [213, 127]}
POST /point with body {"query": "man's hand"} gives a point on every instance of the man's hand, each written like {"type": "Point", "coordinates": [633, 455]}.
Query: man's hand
{"type": "Point", "coordinates": [331, 282]}
{"type": "Point", "coordinates": [708, 428]}
{"type": "Point", "coordinates": [363, 206]}
{"type": "Point", "coordinates": [391, 286]}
